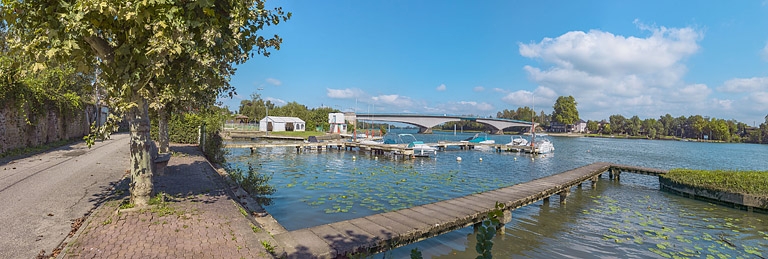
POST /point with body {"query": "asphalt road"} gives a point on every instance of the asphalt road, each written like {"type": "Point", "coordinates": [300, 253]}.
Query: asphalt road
{"type": "Point", "coordinates": [41, 195]}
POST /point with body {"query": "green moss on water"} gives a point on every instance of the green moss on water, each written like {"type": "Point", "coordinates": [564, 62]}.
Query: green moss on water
{"type": "Point", "coordinates": [748, 182]}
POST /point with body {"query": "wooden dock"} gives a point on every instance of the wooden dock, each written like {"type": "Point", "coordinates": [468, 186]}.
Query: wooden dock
{"type": "Point", "coordinates": [388, 230]}
{"type": "Point", "coordinates": [397, 150]}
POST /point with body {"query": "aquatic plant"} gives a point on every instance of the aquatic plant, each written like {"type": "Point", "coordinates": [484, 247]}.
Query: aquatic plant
{"type": "Point", "coordinates": [750, 182]}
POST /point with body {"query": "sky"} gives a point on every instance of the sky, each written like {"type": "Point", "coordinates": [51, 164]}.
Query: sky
{"type": "Point", "coordinates": [644, 58]}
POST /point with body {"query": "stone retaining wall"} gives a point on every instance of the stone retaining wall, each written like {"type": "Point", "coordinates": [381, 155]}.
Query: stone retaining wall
{"type": "Point", "coordinates": [46, 128]}
{"type": "Point", "coordinates": [738, 200]}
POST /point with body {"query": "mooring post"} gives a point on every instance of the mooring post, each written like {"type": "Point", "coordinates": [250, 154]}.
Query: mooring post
{"type": "Point", "coordinates": [564, 195]}
{"type": "Point", "coordinates": [546, 201]}
{"type": "Point", "coordinates": [506, 218]}
{"type": "Point", "coordinates": [594, 181]}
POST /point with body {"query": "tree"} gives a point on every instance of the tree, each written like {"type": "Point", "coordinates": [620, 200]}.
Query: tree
{"type": "Point", "coordinates": [607, 129]}
{"type": "Point", "coordinates": [617, 123]}
{"type": "Point", "coordinates": [134, 44]}
{"type": "Point", "coordinates": [565, 111]}
{"type": "Point", "coordinates": [592, 126]}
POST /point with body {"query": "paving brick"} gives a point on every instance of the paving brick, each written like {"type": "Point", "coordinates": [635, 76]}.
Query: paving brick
{"type": "Point", "coordinates": [210, 218]}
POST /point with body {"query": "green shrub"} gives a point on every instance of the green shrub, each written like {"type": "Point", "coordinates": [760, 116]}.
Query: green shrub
{"type": "Point", "coordinates": [254, 182]}
{"type": "Point", "coordinates": [750, 182]}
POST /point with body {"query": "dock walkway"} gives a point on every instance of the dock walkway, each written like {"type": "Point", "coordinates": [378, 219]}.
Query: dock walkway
{"type": "Point", "coordinates": [388, 230]}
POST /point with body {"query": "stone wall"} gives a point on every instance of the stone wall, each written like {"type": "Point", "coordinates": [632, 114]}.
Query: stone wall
{"type": "Point", "coordinates": [46, 128]}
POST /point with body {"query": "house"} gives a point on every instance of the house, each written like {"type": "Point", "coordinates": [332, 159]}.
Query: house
{"type": "Point", "coordinates": [337, 122]}
{"type": "Point", "coordinates": [580, 126]}
{"type": "Point", "coordinates": [558, 127]}
{"type": "Point", "coordinates": [274, 123]}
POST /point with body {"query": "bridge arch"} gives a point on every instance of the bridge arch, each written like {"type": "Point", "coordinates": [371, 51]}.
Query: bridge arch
{"type": "Point", "coordinates": [426, 122]}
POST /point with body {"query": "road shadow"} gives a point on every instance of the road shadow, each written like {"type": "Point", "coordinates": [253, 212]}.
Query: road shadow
{"type": "Point", "coordinates": [188, 176]}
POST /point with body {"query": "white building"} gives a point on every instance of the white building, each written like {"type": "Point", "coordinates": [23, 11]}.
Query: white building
{"type": "Point", "coordinates": [274, 123]}
{"type": "Point", "coordinates": [337, 122]}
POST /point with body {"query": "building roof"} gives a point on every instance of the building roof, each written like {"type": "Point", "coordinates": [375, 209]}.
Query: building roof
{"type": "Point", "coordinates": [283, 119]}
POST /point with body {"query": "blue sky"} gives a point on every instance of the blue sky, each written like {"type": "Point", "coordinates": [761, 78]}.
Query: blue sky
{"type": "Point", "coordinates": [645, 58]}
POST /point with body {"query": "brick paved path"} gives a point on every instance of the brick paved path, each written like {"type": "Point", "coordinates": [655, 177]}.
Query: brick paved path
{"type": "Point", "coordinates": [198, 220]}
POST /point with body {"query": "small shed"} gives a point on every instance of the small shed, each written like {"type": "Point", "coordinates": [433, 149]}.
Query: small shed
{"type": "Point", "coordinates": [274, 123]}
{"type": "Point", "coordinates": [241, 118]}
{"type": "Point", "coordinates": [337, 123]}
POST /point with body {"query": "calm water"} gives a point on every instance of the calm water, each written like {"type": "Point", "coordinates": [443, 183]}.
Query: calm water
{"type": "Point", "coordinates": [630, 218]}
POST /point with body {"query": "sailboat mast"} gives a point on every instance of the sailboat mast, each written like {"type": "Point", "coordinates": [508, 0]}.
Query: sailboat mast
{"type": "Point", "coordinates": [533, 123]}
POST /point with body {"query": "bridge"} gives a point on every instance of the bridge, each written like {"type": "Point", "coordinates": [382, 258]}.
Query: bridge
{"type": "Point", "coordinates": [426, 122]}
{"type": "Point", "coordinates": [377, 233]}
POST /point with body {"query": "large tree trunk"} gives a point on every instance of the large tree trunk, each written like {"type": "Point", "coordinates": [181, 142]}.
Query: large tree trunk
{"type": "Point", "coordinates": [141, 154]}
{"type": "Point", "coordinates": [162, 129]}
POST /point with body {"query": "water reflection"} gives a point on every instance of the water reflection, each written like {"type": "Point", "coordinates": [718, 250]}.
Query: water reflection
{"type": "Point", "coordinates": [627, 219]}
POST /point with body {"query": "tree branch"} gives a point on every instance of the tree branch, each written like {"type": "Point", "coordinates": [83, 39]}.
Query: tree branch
{"type": "Point", "coordinates": [102, 48]}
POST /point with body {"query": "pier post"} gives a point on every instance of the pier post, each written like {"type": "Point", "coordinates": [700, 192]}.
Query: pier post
{"type": "Point", "coordinates": [506, 218]}
{"type": "Point", "coordinates": [594, 181]}
{"type": "Point", "coordinates": [564, 195]}
{"type": "Point", "coordinates": [546, 201]}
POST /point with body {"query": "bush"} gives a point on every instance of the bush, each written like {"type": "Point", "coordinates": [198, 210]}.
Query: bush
{"type": "Point", "coordinates": [750, 182]}
{"type": "Point", "coordinates": [255, 183]}
{"type": "Point", "coordinates": [184, 128]}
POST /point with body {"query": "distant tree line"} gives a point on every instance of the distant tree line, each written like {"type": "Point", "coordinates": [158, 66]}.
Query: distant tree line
{"type": "Point", "coordinates": [255, 109]}
{"type": "Point", "coordinates": [693, 127]}
{"type": "Point", "coordinates": [667, 126]}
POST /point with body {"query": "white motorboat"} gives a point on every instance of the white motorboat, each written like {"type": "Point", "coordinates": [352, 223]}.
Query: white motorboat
{"type": "Point", "coordinates": [543, 147]}
{"type": "Point", "coordinates": [480, 140]}
{"type": "Point", "coordinates": [517, 140]}
{"type": "Point", "coordinates": [419, 148]}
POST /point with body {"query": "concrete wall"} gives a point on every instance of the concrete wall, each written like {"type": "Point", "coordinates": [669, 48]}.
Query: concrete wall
{"type": "Point", "coordinates": [48, 127]}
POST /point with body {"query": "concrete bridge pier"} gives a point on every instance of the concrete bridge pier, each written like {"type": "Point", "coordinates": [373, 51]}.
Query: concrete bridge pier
{"type": "Point", "coordinates": [614, 174]}
{"type": "Point", "coordinates": [500, 229]}
{"type": "Point", "coordinates": [594, 181]}
{"type": "Point", "coordinates": [423, 130]}
{"type": "Point", "coordinates": [499, 132]}
{"type": "Point", "coordinates": [564, 195]}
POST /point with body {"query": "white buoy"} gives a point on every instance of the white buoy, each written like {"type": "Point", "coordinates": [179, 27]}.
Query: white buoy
{"type": "Point", "coordinates": [458, 158]}
{"type": "Point", "coordinates": [354, 158]}
{"type": "Point", "coordinates": [515, 158]}
{"type": "Point", "coordinates": [481, 159]}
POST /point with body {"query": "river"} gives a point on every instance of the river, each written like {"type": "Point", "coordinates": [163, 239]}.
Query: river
{"type": "Point", "coordinates": [627, 219]}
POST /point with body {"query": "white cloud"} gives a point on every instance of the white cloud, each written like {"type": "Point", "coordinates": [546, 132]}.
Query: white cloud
{"type": "Point", "coordinates": [440, 87]}
{"type": "Point", "coordinates": [610, 74]}
{"type": "Point", "coordinates": [519, 98]}
{"type": "Point", "coordinates": [349, 93]}
{"type": "Point", "coordinates": [278, 102]}
{"type": "Point", "coordinates": [743, 85]}
{"type": "Point", "coordinates": [273, 81]}
{"type": "Point", "coordinates": [393, 99]}
{"type": "Point", "coordinates": [499, 90]}
{"type": "Point", "coordinates": [478, 89]}
{"type": "Point", "coordinates": [764, 52]}
{"type": "Point", "coordinates": [482, 106]}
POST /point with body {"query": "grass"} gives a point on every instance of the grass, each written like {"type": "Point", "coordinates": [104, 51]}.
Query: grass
{"type": "Point", "coordinates": [749, 182]}
{"type": "Point", "coordinates": [268, 246]}
{"type": "Point", "coordinates": [19, 152]}
{"type": "Point", "coordinates": [303, 134]}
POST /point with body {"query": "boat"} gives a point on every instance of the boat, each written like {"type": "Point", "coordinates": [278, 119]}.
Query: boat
{"type": "Point", "coordinates": [517, 140]}
{"type": "Point", "coordinates": [419, 148]}
{"type": "Point", "coordinates": [479, 140]}
{"type": "Point", "coordinates": [543, 147]}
